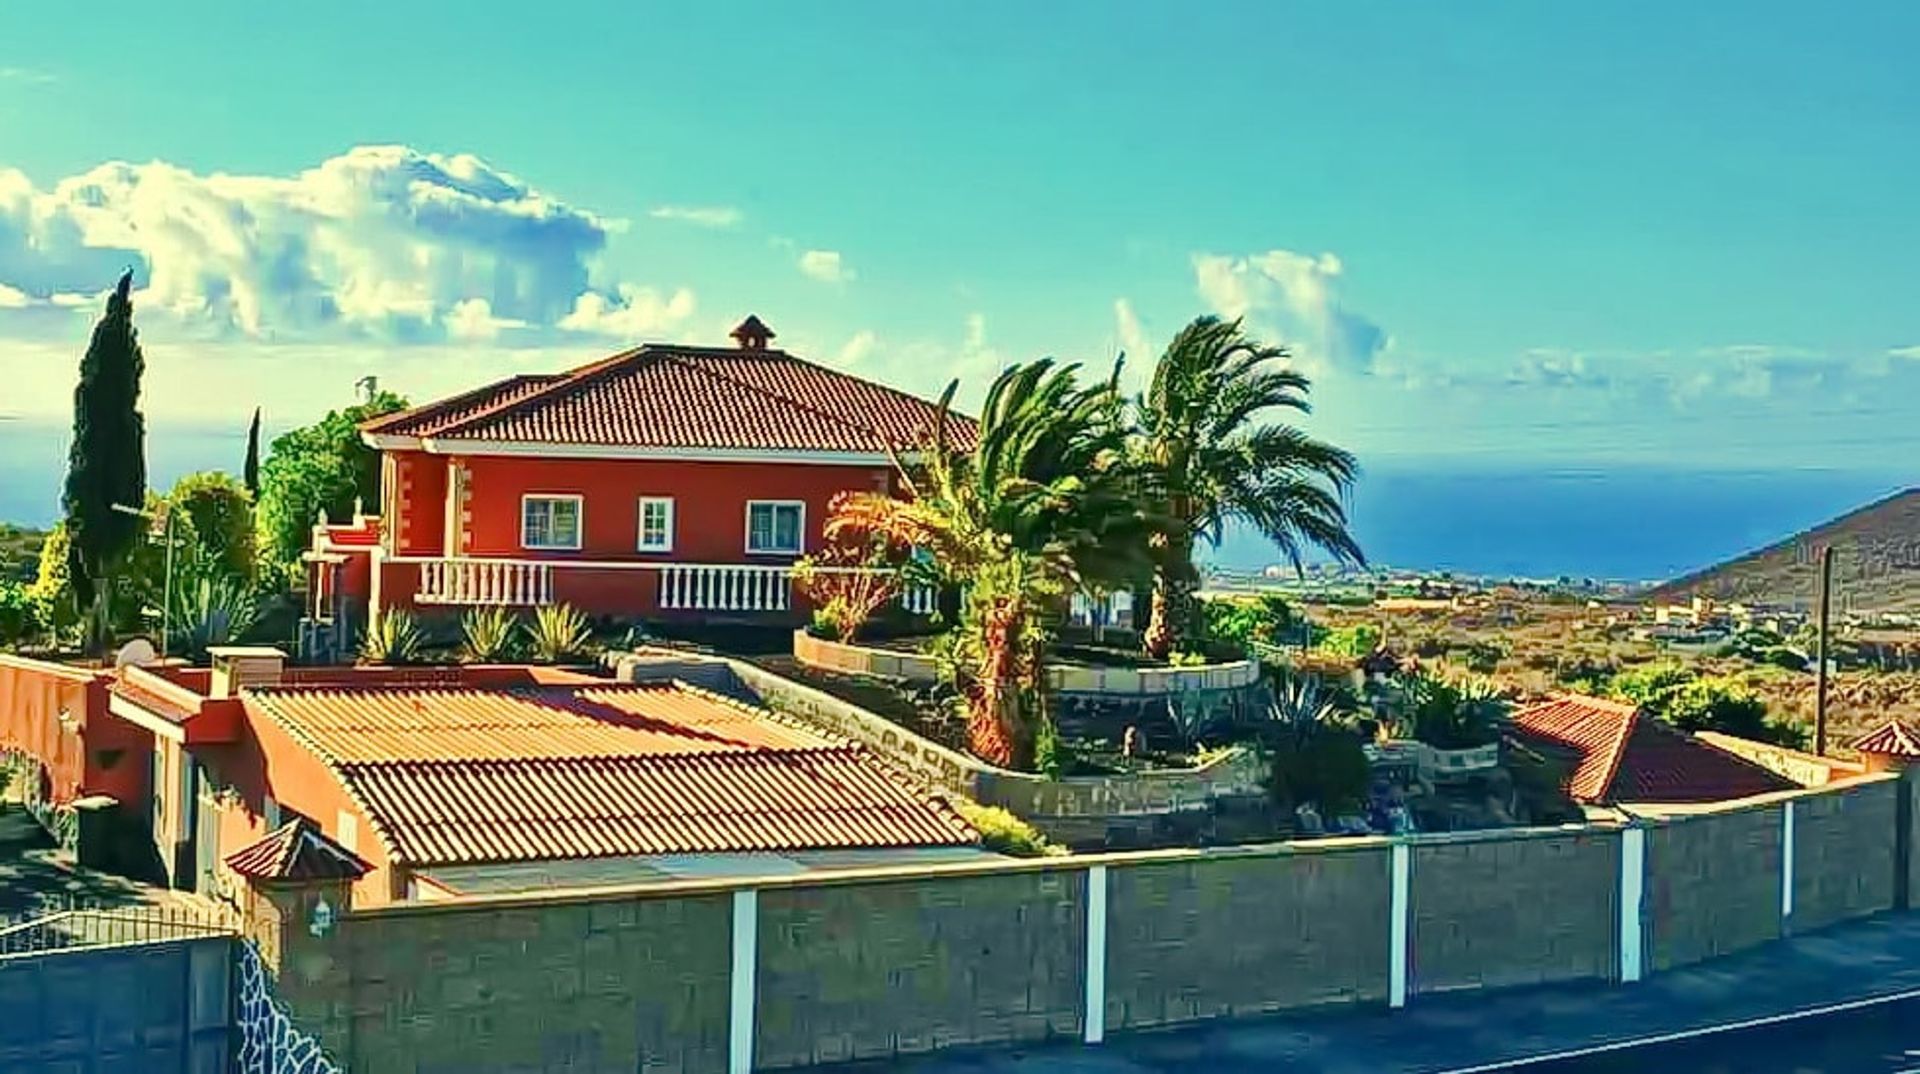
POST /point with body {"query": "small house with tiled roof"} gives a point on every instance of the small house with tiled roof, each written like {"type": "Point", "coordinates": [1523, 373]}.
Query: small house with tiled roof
{"type": "Point", "coordinates": [1889, 747]}
{"type": "Point", "coordinates": [1614, 754]}
{"type": "Point", "coordinates": [662, 481]}
{"type": "Point", "coordinates": [424, 783]}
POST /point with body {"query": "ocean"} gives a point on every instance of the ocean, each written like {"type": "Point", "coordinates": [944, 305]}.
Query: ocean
{"type": "Point", "coordinates": [1634, 523]}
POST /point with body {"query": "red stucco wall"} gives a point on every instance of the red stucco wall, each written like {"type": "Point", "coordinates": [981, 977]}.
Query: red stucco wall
{"type": "Point", "coordinates": [710, 503]}
{"type": "Point", "coordinates": [421, 499]}
{"type": "Point", "coordinates": [265, 760]}
{"type": "Point", "coordinates": [100, 754]}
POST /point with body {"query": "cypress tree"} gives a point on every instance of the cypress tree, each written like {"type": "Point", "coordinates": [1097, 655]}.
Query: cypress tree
{"type": "Point", "coordinates": [250, 473]}
{"type": "Point", "coordinates": [107, 463]}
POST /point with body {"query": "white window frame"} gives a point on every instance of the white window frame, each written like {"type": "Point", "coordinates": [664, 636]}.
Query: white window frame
{"type": "Point", "coordinates": [580, 514]}
{"type": "Point", "coordinates": [799, 532]}
{"type": "Point", "coordinates": [640, 524]}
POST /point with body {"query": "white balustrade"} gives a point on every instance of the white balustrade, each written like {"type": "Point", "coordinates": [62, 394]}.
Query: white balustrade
{"type": "Point", "coordinates": [717, 587]}
{"type": "Point", "coordinates": [920, 599]}
{"type": "Point", "coordinates": [484, 581]}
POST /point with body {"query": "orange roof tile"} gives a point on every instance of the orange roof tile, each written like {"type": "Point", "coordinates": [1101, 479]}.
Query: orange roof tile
{"type": "Point", "coordinates": [469, 775]}
{"type": "Point", "coordinates": [1619, 754]}
{"type": "Point", "coordinates": [686, 397]}
{"type": "Point", "coordinates": [295, 851]}
{"type": "Point", "coordinates": [1893, 739]}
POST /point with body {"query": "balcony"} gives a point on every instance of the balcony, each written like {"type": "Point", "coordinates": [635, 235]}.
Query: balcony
{"type": "Point", "coordinates": [676, 587]}
{"type": "Point", "coordinates": [514, 583]}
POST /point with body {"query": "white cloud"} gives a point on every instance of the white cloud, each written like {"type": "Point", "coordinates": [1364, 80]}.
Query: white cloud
{"type": "Point", "coordinates": [1293, 299]}
{"type": "Point", "coordinates": [30, 75]}
{"type": "Point", "coordinates": [629, 313]}
{"type": "Point", "coordinates": [1912, 352]}
{"type": "Point", "coordinates": [825, 266]}
{"type": "Point", "coordinates": [382, 242]}
{"type": "Point", "coordinates": [12, 298]}
{"type": "Point", "coordinates": [714, 216]}
{"type": "Point", "coordinates": [473, 319]}
{"type": "Point", "coordinates": [856, 350]}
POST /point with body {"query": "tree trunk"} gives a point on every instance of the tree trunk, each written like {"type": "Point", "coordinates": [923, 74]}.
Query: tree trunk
{"type": "Point", "coordinates": [1170, 612]}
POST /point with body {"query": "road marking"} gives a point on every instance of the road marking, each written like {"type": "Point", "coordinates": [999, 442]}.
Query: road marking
{"type": "Point", "coordinates": [1688, 1034]}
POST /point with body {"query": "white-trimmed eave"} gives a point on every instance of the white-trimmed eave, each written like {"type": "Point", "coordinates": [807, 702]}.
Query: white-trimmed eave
{"type": "Point", "coordinates": [138, 715]}
{"type": "Point", "coordinates": [537, 449]}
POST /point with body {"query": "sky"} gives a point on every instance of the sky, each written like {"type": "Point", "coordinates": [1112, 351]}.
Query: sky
{"type": "Point", "coordinates": [1519, 234]}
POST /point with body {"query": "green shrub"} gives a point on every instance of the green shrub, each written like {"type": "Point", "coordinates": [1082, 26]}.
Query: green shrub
{"type": "Point", "coordinates": [19, 614]}
{"type": "Point", "coordinates": [1450, 714]}
{"type": "Point", "coordinates": [488, 634]}
{"type": "Point", "coordinates": [559, 633]}
{"type": "Point", "coordinates": [1350, 642]}
{"type": "Point", "coordinates": [210, 608]}
{"type": "Point", "coordinates": [1327, 767]}
{"type": "Point", "coordinates": [397, 639]}
{"type": "Point", "coordinates": [1244, 622]}
{"type": "Point", "coordinates": [1004, 833]}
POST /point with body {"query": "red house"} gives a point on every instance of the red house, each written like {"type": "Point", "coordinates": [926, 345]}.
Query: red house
{"type": "Point", "coordinates": [662, 481]}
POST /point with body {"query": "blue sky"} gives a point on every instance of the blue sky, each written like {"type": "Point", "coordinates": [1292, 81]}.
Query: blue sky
{"type": "Point", "coordinates": [1529, 234]}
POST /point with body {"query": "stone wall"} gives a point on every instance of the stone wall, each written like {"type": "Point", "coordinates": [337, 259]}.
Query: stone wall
{"type": "Point", "coordinates": [873, 970]}
{"type": "Point", "coordinates": [1232, 934]}
{"type": "Point", "coordinates": [1844, 853]}
{"type": "Point", "coordinates": [1713, 884]}
{"type": "Point", "coordinates": [885, 962]}
{"type": "Point", "coordinates": [625, 983]}
{"type": "Point", "coordinates": [1513, 908]}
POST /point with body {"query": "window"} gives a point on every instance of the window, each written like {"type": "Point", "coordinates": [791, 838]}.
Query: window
{"type": "Point", "coordinates": [656, 524]}
{"type": "Point", "coordinates": [773, 526]}
{"type": "Point", "coordinates": [550, 522]}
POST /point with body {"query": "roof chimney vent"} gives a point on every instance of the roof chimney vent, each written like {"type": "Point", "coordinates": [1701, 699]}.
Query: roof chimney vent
{"type": "Point", "coordinates": [752, 334]}
{"type": "Point", "coordinates": [236, 667]}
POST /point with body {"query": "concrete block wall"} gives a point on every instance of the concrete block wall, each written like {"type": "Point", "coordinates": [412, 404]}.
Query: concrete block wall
{"type": "Point", "coordinates": [735, 975]}
{"type": "Point", "coordinates": [873, 970]}
{"type": "Point", "coordinates": [1241, 934]}
{"type": "Point", "coordinates": [625, 984]}
{"type": "Point", "coordinates": [1844, 862]}
{"type": "Point", "coordinates": [1514, 910]}
{"type": "Point", "coordinates": [1713, 884]}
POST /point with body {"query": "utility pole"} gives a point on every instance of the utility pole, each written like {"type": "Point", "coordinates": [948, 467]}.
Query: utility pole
{"type": "Point", "coordinates": [1820, 682]}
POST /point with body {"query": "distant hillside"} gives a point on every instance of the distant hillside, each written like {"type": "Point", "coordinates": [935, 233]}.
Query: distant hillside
{"type": "Point", "coordinates": [1876, 564]}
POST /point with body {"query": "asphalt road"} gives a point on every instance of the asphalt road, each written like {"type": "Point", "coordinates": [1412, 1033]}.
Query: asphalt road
{"type": "Point", "coordinates": [1842, 1001]}
{"type": "Point", "coordinates": [1879, 1039]}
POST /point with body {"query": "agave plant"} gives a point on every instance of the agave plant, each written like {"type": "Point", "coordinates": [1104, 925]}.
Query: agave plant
{"type": "Point", "coordinates": [395, 639]}
{"type": "Point", "coordinates": [558, 632]}
{"type": "Point", "coordinates": [215, 608]}
{"type": "Point", "coordinates": [488, 635]}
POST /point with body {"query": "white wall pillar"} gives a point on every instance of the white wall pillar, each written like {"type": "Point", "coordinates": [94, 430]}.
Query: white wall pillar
{"type": "Point", "coordinates": [746, 937]}
{"type": "Point", "coordinates": [1401, 877]}
{"type": "Point", "coordinates": [1786, 864]}
{"type": "Point", "coordinates": [1633, 887]}
{"type": "Point", "coordinates": [1095, 1022]}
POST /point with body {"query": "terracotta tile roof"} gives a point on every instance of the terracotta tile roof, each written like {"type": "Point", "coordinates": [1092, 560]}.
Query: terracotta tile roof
{"type": "Point", "coordinates": [687, 397]}
{"type": "Point", "coordinates": [294, 851]}
{"type": "Point", "coordinates": [1893, 739]}
{"type": "Point", "coordinates": [1619, 754]}
{"type": "Point", "coordinates": [462, 775]}
{"type": "Point", "coordinates": [425, 420]}
{"type": "Point", "coordinates": [442, 813]}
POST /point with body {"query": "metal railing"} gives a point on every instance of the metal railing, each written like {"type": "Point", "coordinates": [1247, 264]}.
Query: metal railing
{"type": "Point", "coordinates": [64, 925]}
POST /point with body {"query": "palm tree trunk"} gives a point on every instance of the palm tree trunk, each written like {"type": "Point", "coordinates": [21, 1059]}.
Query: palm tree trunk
{"type": "Point", "coordinates": [1170, 612]}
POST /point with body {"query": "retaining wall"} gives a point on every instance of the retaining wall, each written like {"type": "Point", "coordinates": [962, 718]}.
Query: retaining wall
{"type": "Point", "coordinates": [1080, 811]}
{"type": "Point", "coordinates": [741, 974]}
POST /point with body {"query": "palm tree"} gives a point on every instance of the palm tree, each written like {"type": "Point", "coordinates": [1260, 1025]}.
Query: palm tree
{"type": "Point", "coordinates": [1207, 457]}
{"type": "Point", "coordinates": [1039, 503]}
